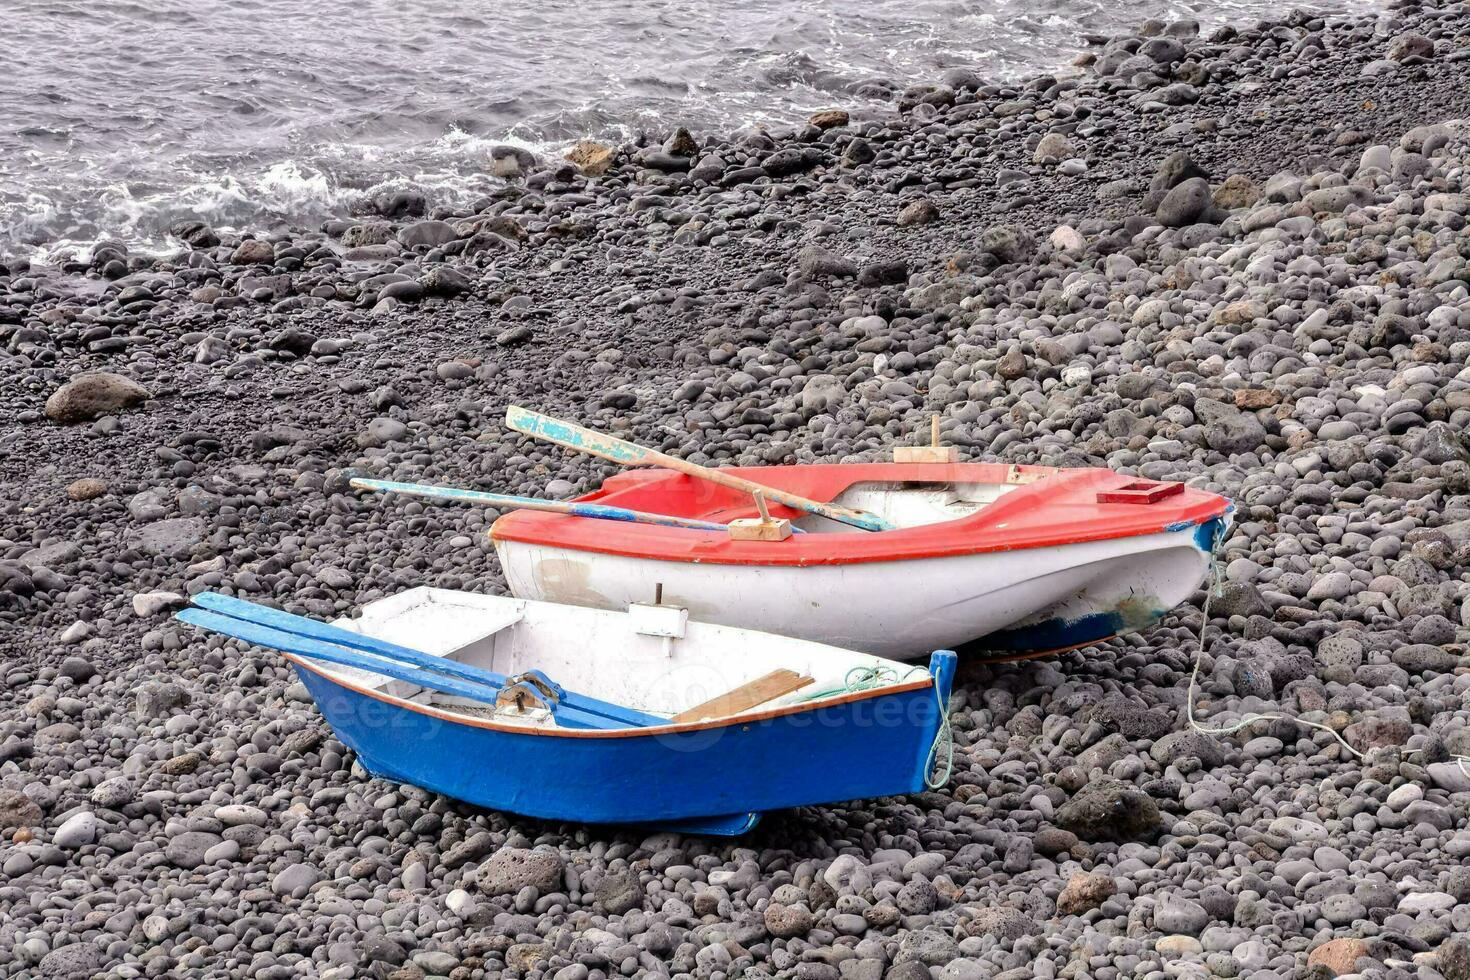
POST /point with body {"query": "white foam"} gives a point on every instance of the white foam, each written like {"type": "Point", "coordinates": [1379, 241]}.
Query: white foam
{"type": "Point", "coordinates": [331, 109]}
{"type": "Point", "coordinates": [286, 187]}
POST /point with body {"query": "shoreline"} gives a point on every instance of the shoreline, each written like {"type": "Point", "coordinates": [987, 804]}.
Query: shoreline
{"type": "Point", "coordinates": [1259, 289]}
{"type": "Point", "coordinates": [289, 180]}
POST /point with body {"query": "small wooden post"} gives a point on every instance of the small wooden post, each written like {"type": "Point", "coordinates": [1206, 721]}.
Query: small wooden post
{"type": "Point", "coordinates": [760, 505]}
{"type": "Point", "coordinates": [932, 453]}
{"type": "Point", "coordinates": [763, 528]}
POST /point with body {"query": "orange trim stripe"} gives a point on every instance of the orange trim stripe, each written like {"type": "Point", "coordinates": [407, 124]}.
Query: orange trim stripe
{"type": "Point", "coordinates": [670, 729]}
{"type": "Point", "coordinates": [779, 561]}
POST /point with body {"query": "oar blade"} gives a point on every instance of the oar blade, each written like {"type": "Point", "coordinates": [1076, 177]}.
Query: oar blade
{"type": "Point", "coordinates": [279, 619]}
{"type": "Point", "coordinates": [574, 436]}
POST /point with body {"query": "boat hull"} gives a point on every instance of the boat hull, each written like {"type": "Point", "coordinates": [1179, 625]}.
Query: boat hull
{"type": "Point", "coordinates": [1029, 600]}
{"type": "Point", "coordinates": [705, 778]}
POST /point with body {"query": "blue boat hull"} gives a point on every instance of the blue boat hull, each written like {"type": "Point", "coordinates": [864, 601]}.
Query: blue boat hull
{"type": "Point", "coordinates": [708, 778]}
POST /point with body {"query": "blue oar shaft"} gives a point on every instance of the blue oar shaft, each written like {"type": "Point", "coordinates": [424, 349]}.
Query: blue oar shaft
{"type": "Point", "coordinates": [281, 621]}
{"type": "Point", "coordinates": [304, 646]}
{"type": "Point", "coordinates": [507, 501]}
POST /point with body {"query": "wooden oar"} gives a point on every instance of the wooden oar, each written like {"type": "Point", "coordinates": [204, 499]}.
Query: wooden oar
{"type": "Point", "coordinates": [584, 440]}
{"type": "Point", "coordinates": [507, 501]}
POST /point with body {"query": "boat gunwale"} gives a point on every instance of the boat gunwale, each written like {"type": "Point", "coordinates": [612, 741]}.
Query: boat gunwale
{"type": "Point", "coordinates": [901, 687]}
{"type": "Point", "coordinates": [983, 532]}
{"type": "Point", "coordinates": [788, 560]}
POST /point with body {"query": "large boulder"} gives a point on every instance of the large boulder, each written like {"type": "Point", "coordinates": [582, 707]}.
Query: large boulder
{"type": "Point", "coordinates": [77, 960]}
{"type": "Point", "coordinates": [253, 251]}
{"type": "Point", "coordinates": [512, 868]}
{"type": "Point", "coordinates": [618, 892]}
{"type": "Point", "coordinates": [1338, 956]}
{"type": "Point", "coordinates": [592, 158]}
{"type": "Point", "coordinates": [1175, 170]}
{"type": "Point", "coordinates": [1109, 810]}
{"type": "Point", "coordinates": [18, 810]}
{"type": "Point", "coordinates": [1008, 243]}
{"type": "Point", "coordinates": [427, 233]}
{"type": "Point", "coordinates": [1184, 204]}
{"type": "Point", "coordinates": [174, 538]}
{"type": "Point", "coordinates": [1085, 891]}
{"type": "Point", "coordinates": [92, 395]}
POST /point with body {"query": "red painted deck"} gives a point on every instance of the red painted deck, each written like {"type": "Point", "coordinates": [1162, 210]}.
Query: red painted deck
{"type": "Point", "coordinates": [1063, 508]}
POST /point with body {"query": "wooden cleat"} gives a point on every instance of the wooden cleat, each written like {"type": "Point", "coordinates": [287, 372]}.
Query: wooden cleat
{"type": "Point", "coordinates": [763, 528]}
{"type": "Point", "coordinates": [755, 529]}
{"type": "Point", "coordinates": [926, 454]}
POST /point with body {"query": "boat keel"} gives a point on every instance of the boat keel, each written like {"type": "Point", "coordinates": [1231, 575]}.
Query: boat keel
{"type": "Point", "coordinates": [731, 825]}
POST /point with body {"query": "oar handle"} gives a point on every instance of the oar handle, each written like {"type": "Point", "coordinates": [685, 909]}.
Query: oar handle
{"type": "Point", "coordinates": [585, 440]}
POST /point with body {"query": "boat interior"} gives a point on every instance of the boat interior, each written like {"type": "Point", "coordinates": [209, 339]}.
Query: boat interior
{"type": "Point", "coordinates": [651, 658]}
{"type": "Point", "coordinates": [904, 503]}
{"type": "Point", "coordinates": [907, 504]}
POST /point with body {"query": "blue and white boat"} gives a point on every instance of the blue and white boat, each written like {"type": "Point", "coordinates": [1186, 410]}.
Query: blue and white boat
{"type": "Point", "coordinates": [640, 717]}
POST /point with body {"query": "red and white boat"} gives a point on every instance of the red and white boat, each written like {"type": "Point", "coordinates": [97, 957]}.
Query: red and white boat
{"type": "Point", "coordinates": [1023, 559]}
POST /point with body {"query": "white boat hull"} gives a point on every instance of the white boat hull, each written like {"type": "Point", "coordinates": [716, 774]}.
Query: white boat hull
{"type": "Point", "coordinates": [1028, 600]}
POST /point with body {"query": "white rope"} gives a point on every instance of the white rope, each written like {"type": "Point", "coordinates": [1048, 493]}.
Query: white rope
{"type": "Point", "coordinates": [1250, 718]}
{"type": "Point", "coordinates": [936, 777]}
{"type": "Point", "coordinates": [1215, 582]}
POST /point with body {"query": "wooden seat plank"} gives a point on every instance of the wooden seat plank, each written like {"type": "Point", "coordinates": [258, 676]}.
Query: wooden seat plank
{"type": "Point", "coordinates": [765, 688]}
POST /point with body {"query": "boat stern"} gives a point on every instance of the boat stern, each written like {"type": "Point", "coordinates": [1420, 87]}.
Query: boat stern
{"type": "Point", "coordinates": [936, 753]}
{"type": "Point", "coordinates": [1210, 534]}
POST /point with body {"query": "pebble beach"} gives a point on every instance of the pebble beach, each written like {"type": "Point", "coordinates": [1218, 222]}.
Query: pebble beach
{"type": "Point", "coordinates": [1235, 258]}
